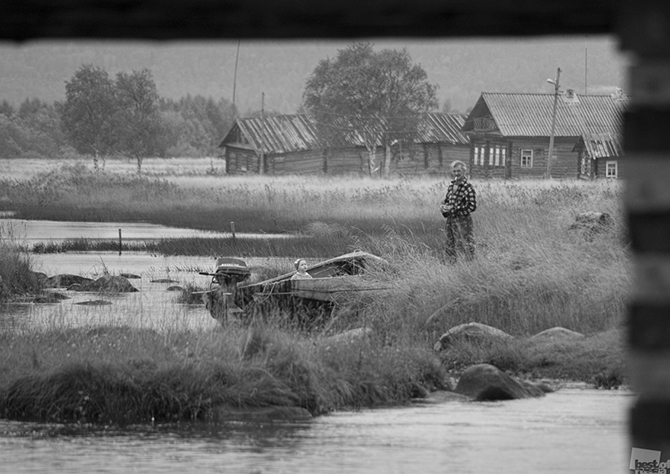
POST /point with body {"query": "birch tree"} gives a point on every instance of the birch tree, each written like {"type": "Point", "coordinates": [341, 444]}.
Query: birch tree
{"type": "Point", "coordinates": [88, 111]}
{"type": "Point", "coordinates": [373, 98]}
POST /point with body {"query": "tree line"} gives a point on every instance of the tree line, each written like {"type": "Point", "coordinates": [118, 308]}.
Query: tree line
{"type": "Point", "coordinates": [371, 98]}
{"type": "Point", "coordinates": [114, 116]}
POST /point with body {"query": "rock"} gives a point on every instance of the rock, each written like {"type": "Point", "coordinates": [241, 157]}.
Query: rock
{"type": "Point", "coordinates": [37, 278]}
{"type": "Point", "coordinates": [94, 303]}
{"type": "Point", "coordinates": [107, 284]}
{"type": "Point", "coordinates": [470, 332]}
{"type": "Point", "coordinates": [484, 382]}
{"type": "Point", "coordinates": [65, 281]}
{"type": "Point", "coordinates": [229, 413]}
{"type": "Point", "coordinates": [163, 280]}
{"type": "Point", "coordinates": [174, 288]}
{"type": "Point", "coordinates": [130, 276]}
{"type": "Point", "coordinates": [557, 334]}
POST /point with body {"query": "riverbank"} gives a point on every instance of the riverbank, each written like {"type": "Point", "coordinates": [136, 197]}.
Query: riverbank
{"type": "Point", "coordinates": [123, 375]}
{"type": "Point", "coordinates": [533, 271]}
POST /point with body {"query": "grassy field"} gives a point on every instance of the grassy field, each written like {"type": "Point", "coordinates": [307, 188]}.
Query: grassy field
{"type": "Point", "coordinates": [531, 272]}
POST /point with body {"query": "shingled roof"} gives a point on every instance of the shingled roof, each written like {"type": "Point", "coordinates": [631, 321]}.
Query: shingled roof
{"type": "Point", "coordinates": [530, 115]}
{"type": "Point", "coordinates": [292, 133]}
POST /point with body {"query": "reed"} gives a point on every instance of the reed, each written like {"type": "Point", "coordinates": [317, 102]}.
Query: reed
{"type": "Point", "coordinates": [127, 375]}
{"type": "Point", "coordinates": [16, 276]}
{"type": "Point", "coordinates": [530, 273]}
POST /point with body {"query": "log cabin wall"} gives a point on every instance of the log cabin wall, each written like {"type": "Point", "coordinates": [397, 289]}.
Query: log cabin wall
{"type": "Point", "coordinates": [429, 159]}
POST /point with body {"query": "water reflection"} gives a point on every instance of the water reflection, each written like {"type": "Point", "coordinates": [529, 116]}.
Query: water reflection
{"type": "Point", "coordinates": [33, 231]}
{"type": "Point", "coordinates": [576, 431]}
{"type": "Point", "coordinates": [153, 306]}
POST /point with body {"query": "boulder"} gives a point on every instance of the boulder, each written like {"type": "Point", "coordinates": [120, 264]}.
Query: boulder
{"type": "Point", "coordinates": [484, 382]}
{"type": "Point", "coordinates": [65, 281]}
{"type": "Point", "coordinates": [94, 303]}
{"type": "Point", "coordinates": [556, 334]}
{"type": "Point", "coordinates": [37, 278]}
{"type": "Point", "coordinates": [470, 332]}
{"type": "Point", "coordinates": [130, 276]}
{"type": "Point", "coordinates": [107, 284]}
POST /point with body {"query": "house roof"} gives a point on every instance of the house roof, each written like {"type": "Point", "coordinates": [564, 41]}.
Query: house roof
{"type": "Point", "coordinates": [275, 133]}
{"type": "Point", "coordinates": [602, 145]}
{"type": "Point", "coordinates": [530, 115]}
{"type": "Point", "coordinates": [291, 133]}
{"type": "Point", "coordinates": [438, 127]}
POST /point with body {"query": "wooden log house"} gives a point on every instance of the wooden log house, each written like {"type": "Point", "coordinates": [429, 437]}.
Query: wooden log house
{"type": "Point", "coordinates": [289, 144]}
{"type": "Point", "coordinates": [510, 134]}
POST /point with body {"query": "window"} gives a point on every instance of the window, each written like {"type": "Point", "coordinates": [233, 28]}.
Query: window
{"type": "Point", "coordinates": [611, 169]}
{"type": "Point", "coordinates": [496, 155]}
{"type": "Point", "coordinates": [526, 158]}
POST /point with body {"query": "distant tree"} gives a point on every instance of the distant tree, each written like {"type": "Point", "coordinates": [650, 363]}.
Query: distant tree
{"type": "Point", "coordinates": [88, 111]}
{"type": "Point", "coordinates": [6, 109]}
{"type": "Point", "coordinates": [197, 124]}
{"type": "Point", "coordinates": [376, 97]}
{"type": "Point", "coordinates": [137, 123]}
{"type": "Point", "coordinates": [13, 139]}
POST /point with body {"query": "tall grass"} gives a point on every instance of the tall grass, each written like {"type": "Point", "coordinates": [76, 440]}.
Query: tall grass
{"type": "Point", "coordinates": [531, 272]}
{"type": "Point", "coordinates": [117, 374]}
{"type": "Point", "coordinates": [16, 275]}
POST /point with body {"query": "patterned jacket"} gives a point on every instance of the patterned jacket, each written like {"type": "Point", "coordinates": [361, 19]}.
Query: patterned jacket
{"type": "Point", "coordinates": [461, 197]}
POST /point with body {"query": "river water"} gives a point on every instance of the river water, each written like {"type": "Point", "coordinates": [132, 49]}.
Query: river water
{"type": "Point", "coordinates": [570, 431]}
{"type": "Point", "coordinates": [574, 430]}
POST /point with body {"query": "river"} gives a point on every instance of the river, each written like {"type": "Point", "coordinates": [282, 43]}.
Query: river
{"type": "Point", "coordinates": [574, 430]}
{"type": "Point", "coordinates": [570, 431]}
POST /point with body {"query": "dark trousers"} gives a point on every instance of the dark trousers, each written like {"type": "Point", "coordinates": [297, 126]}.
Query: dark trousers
{"type": "Point", "coordinates": [459, 237]}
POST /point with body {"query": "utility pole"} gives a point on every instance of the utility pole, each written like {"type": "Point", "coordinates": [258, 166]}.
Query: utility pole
{"type": "Point", "coordinates": [553, 120]}
{"type": "Point", "coordinates": [237, 57]}
{"type": "Point", "coordinates": [261, 164]}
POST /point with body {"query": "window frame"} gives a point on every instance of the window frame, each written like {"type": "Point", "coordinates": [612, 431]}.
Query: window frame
{"type": "Point", "coordinates": [527, 154]}
{"type": "Point", "coordinates": [615, 166]}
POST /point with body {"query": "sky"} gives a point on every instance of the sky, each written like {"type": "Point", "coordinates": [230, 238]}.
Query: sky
{"type": "Point", "coordinates": [272, 74]}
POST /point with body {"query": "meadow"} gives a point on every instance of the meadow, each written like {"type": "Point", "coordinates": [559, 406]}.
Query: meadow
{"type": "Point", "coordinates": [531, 272]}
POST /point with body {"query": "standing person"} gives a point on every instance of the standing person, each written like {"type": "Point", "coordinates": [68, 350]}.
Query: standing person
{"type": "Point", "coordinates": [301, 270]}
{"type": "Point", "coordinates": [458, 205]}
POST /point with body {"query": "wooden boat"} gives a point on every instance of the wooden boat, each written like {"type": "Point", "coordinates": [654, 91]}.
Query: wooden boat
{"type": "Point", "coordinates": [335, 282]}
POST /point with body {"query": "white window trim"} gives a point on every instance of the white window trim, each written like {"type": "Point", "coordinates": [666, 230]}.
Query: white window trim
{"type": "Point", "coordinates": [607, 169]}
{"type": "Point", "coordinates": [528, 154]}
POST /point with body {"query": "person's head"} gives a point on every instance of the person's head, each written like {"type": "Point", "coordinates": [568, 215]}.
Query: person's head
{"type": "Point", "coordinates": [458, 169]}
{"type": "Point", "coordinates": [300, 265]}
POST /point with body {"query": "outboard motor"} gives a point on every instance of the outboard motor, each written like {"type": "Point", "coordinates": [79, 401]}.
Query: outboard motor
{"type": "Point", "coordinates": [229, 272]}
{"type": "Point", "coordinates": [220, 299]}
